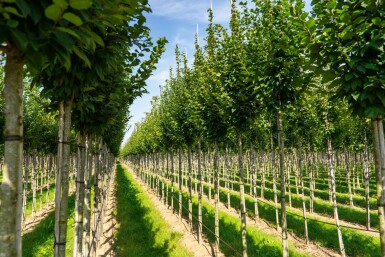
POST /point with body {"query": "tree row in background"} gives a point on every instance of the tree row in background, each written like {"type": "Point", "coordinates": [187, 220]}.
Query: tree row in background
{"type": "Point", "coordinates": [277, 79]}
{"type": "Point", "coordinates": [87, 61]}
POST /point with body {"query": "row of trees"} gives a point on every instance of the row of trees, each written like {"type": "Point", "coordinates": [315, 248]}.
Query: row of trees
{"type": "Point", "coordinates": [88, 60]}
{"type": "Point", "coordinates": [275, 61]}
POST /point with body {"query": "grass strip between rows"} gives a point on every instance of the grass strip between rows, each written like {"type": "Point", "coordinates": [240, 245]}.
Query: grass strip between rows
{"type": "Point", "coordinates": [141, 232]}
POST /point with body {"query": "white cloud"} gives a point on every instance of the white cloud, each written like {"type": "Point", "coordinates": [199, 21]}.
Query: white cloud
{"type": "Point", "coordinates": [193, 11]}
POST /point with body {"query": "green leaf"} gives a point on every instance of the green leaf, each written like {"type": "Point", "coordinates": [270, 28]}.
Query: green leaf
{"type": "Point", "coordinates": [12, 23]}
{"type": "Point", "coordinates": [80, 4]}
{"type": "Point", "coordinates": [82, 56]}
{"type": "Point", "coordinates": [376, 21]}
{"type": "Point", "coordinates": [62, 3]}
{"type": "Point", "coordinates": [68, 31]}
{"type": "Point", "coordinates": [12, 10]}
{"type": "Point", "coordinates": [73, 18]}
{"type": "Point", "coordinates": [20, 38]}
{"type": "Point", "coordinates": [53, 12]}
{"type": "Point", "coordinates": [24, 7]}
{"type": "Point", "coordinates": [96, 38]}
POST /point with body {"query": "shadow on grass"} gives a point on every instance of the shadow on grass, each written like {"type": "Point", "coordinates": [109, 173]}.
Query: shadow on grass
{"type": "Point", "coordinates": [140, 232]}
{"type": "Point", "coordinates": [39, 242]}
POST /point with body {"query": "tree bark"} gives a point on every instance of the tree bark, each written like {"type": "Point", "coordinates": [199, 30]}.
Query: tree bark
{"type": "Point", "coordinates": [303, 193]}
{"type": "Point", "coordinates": [242, 194]}
{"type": "Point", "coordinates": [87, 204]}
{"type": "Point", "coordinates": [216, 196]}
{"type": "Point", "coordinates": [273, 170]}
{"type": "Point", "coordinates": [254, 181]}
{"type": "Point", "coordinates": [200, 192]}
{"type": "Point", "coordinates": [367, 177]}
{"type": "Point", "coordinates": [285, 245]}
{"type": "Point", "coordinates": [334, 199]}
{"type": "Point", "coordinates": [379, 161]}
{"type": "Point", "coordinates": [11, 186]}
{"type": "Point", "coordinates": [79, 202]}
{"type": "Point", "coordinates": [180, 183]}
{"type": "Point", "coordinates": [189, 187]}
{"type": "Point", "coordinates": [62, 197]}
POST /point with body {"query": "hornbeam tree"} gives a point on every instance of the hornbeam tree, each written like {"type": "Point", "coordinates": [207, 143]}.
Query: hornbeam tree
{"type": "Point", "coordinates": [282, 79]}
{"type": "Point", "coordinates": [346, 41]}
{"type": "Point", "coordinates": [30, 33]}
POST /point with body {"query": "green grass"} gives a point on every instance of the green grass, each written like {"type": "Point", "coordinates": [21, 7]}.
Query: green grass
{"type": "Point", "coordinates": [39, 242]}
{"type": "Point", "coordinates": [260, 244]}
{"type": "Point", "coordinates": [141, 232]}
{"type": "Point", "coordinates": [28, 210]}
{"type": "Point", "coordinates": [356, 243]}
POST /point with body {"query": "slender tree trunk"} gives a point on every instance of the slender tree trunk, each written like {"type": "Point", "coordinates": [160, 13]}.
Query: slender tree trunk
{"type": "Point", "coordinates": [285, 246]}
{"type": "Point", "coordinates": [216, 195]}
{"type": "Point", "coordinates": [189, 187]}
{"type": "Point", "coordinates": [273, 170]}
{"type": "Point", "coordinates": [227, 167]}
{"type": "Point", "coordinates": [172, 180]}
{"type": "Point", "coordinates": [303, 193]}
{"type": "Point", "coordinates": [61, 229]}
{"type": "Point", "coordinates": [25, 187]}
{"type": "Point", "coordinates": [48, 182]}
{"type": "Point", "coordinates": [367, 177]}
{"type": "Point", "coordinates": [242, 194]}
{"type": "Point", "coordinates": [334, 199]}
{"type": "Point", "coordinates": [79, 203]}
{"type": "Point", "coordinates": [41, 180]}
{"type": "Point", "coordinates": [200, 193]}
{"type": "Point", "coordinates": [180, 184]}
{"type": "Point", "coordinates": [312, 187]}
{"type": "Point", "coordinates": [348, 177]}
{"type": "Point", "coordinates": [379, 161]}
{"type": "Point", "coordinates": [11, 186]}
{"type": "Point", "coordinates": [34, 182]}
{"type": "Point", "coordinates": [87, 204]}
{"type": "Point", "coordinates": [254, 181]}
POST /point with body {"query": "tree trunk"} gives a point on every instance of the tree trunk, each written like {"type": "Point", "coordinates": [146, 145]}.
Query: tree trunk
{"type": "Point", "coordinates": [347, 167]}
{"type": "Point", "coordinates": [180, 184]}
{"type": "Point", "coordinates": [25, 187]}
{"type": "Point", "coordinates": [200, 192]}
{"type": "Point", "coordinates": [303, 193]}
{"type": "Point", "coordinates": [379, 161]}
{"type": "Point", "coordinates": [285, 246]}
{"type": "Point", "coordinates": [227, 167]}
{"type": "Point", "coordinates": [367, 177]}
{"type": "Point", "coordinates": [273, 170]}
{"type": "Point", "coordinates": [254, 181]}
{"type": "Point", "coordinates": [49, 174]}
{"type": "Point", "coordinates": [216, 196]}
{"type": "Point", "coordinates": [61, 211]}
{"type": "Point", "coordinates": [172, 181]}
{"type": "Point", "coordinates": [242, 193]}
{"type": "Point", "coordinates": [334, 199]}
{"type": "Point", "coordinates": [34, 182]}
{"type": "Point", "coordinates": [87, 204]}
{"type": "Point", "coordinates": [11, 186]}
{"type": "Point", "coordinates": [189, 187]}
{"type": "Point", "coordinates": [79, 203]}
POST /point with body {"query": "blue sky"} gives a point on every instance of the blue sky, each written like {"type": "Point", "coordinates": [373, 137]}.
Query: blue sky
{"type": "Point", "coordinates": [176, 20]}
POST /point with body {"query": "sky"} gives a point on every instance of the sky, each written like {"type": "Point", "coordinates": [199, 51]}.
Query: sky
{"type": "Point", "coordinates": [176, 20]}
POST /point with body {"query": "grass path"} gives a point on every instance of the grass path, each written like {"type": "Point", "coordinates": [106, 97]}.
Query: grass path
{"type": "Point", "coordinates": [140, 232]}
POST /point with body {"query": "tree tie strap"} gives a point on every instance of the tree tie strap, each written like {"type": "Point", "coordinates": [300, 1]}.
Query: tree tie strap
{"type": "Point", "coordinates": [81, 146]}
{"type": "Point", "coordinates": [59, 243]}
{"type": "Point", "coordinates": [64, 142]}
{"type": "Point", "coordinates": [80, 182]}
{"type": "Point", "coordinates": [380, 204]}
{"type": "Point", "coordinates": [13, 138]}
